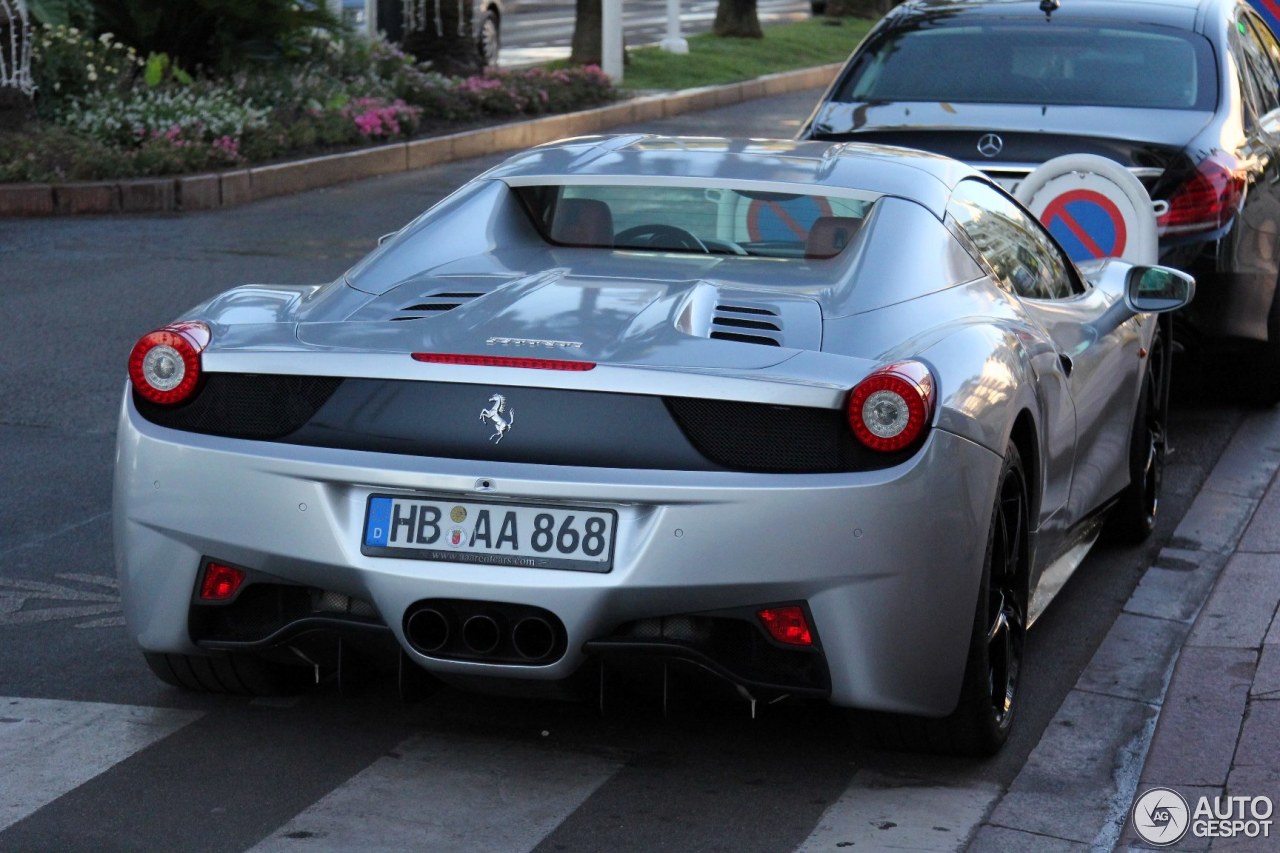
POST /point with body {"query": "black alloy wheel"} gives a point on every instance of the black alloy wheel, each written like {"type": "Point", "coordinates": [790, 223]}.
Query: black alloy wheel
{"type": "Point", "coordinates": [1006, 612]}
{"type": "Point", "coordinates": [1133, 518]}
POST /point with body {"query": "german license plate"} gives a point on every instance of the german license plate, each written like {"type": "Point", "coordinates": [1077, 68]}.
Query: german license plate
{"type": "Point", "coordinates": [489, 533]}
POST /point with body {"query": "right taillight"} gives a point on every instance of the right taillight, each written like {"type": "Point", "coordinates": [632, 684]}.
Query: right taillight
{"type": "Point", "coordinates": [1207, 201]}
{"type": "Point", "coordinates": [891, 408]}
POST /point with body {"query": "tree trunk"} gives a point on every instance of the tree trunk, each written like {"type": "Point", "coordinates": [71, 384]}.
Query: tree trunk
{"type": "Point", "coordinates": [588, 45]}
{"type": "Point", "coordinates": [871, 9]}
{"type": "Point", "coordinates": [737, 19]}
{"type": "Point", "coordinates": [441, 32]}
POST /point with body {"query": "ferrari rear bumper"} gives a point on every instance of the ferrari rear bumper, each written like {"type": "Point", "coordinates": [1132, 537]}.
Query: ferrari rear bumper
{"type": "Point", "coordinates": [886, 564]}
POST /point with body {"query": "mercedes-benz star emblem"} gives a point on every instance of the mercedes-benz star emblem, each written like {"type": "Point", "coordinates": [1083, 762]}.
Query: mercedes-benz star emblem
{"type": "Point", "coordinates": [990, 145]}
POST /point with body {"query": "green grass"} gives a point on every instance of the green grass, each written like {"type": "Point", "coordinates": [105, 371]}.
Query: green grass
{"type": "Point", "coordinates": [713, 61]}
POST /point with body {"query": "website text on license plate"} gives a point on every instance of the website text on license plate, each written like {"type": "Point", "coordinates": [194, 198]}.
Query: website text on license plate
{"type": "Point", "coordinates": [490, 533]}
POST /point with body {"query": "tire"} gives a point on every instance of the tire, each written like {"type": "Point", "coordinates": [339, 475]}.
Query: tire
{"type": "Point", "coordinates": [985, 712]}
{"type": "Point", "coordinates": [1133, 518]}
{"type": "Point", "coordinates": [489, 39]}
{"type": "Point", "coordinates": [1265, 393]}
{"type": "Point", "coordinates": [233, 674]}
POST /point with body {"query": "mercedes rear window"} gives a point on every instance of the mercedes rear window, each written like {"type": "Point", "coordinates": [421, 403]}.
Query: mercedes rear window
{"type": "Point", "coordinates": [1026, 62]}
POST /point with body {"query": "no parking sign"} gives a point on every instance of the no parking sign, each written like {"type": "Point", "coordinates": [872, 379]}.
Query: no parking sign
{"type": "Point", "coordinates": [1270, 12]}
{"type": "Point", "coordinates": [1094, 207]}
{"type": "Point", "coordinates": [785, 217]}
{"type": "Point", "coordinates": [1087, 223]}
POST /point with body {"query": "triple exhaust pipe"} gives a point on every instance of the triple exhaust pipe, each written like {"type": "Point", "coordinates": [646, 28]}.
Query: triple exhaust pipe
{"type": "Point", "coordinates": [491, 632]}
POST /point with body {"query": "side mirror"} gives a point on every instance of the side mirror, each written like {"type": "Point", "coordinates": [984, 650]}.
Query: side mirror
{"type": "Point", "coordinates": [1155, 290]}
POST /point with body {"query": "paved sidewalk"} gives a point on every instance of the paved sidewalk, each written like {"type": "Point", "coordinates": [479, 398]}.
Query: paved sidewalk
{"type": "Point", "coordinates": [1183, 693]}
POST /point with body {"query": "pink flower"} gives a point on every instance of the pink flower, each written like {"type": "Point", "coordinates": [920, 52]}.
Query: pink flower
{"type": "Point", "coordinates": [227, 145]}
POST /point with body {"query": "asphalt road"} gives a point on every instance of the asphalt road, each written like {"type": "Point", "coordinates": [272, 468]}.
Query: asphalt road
{"type": "Point", "coordinates": [203, 773]}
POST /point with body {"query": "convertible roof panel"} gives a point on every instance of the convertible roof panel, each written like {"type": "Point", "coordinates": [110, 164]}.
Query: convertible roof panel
{"type": "Point", "coordinates": [770, 163]}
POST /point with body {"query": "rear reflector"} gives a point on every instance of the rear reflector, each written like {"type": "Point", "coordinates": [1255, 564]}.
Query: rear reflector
{"type": "Point", "coordinates": [787, 625]}
{"type": "Point", "coordinates": [500, 361]}
{"type": "Point", "coordinates": [220, 582]}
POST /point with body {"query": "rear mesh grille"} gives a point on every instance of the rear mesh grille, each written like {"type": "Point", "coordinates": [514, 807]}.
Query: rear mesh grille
{"type": "Point", "coordinates": [774, 439]}
{"type": "Point", "coordinates": [243, 405]}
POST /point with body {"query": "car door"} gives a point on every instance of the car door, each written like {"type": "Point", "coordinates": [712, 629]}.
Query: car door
{"type": "Point", "coordinates": [1088, 381]}
{"type": "Point", "coordinates": [1254, 246]}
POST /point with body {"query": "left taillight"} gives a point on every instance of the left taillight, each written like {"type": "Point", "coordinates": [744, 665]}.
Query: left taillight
{"type": "Point", "coordinates": [891, 409]}
{"type": "Point", "coordinates": [164, 366]}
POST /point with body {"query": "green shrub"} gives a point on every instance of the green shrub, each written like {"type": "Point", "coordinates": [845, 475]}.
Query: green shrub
{"type": "Point", "coordinates": [216, 35]}
{"type": "Point", "coordinates": [68, 63]}
{"type": "Point", "coordinates": [197, 113]}
{"type": "Point", "coordinates": [107, 113]}
{"type": "Point", "coordinates": [49, 153]}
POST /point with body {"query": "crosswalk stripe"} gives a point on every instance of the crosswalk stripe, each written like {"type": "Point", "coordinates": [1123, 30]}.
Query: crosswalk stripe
{"type": "Point", "coordinates": [436, 792]}
{"type": "Point", "coordinates": [49, 747]}
{"type": "Point", "coordinates": [878, 812]}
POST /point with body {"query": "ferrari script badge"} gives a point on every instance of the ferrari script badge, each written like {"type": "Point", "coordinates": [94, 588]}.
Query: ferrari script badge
{"type": "Point", "coordinates": [499, 415]}
{"type": "Point", "coordinates": [533, 342]}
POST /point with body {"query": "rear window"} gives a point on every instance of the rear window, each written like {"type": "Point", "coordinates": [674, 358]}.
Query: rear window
{"type": "Point", "coordinates": [1034, 63]}
{"type": "Point", "coordinates": [702, 220]}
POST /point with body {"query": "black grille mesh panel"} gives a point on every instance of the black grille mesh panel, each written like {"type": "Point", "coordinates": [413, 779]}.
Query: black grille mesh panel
{"type": "Point", "coordinates": [241, 405]}
{"type": "Point", "coordinates": [774, 439]}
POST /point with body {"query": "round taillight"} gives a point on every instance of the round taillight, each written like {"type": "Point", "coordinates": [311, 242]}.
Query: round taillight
{"type": "Point", "coordinates": [164, 366]}
{"type": "Point", "coordinates": [891, 408]}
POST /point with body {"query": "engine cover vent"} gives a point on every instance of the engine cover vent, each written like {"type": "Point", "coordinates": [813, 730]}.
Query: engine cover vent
{"type": "Point", "coordinates": [746, 324]}
{"type": "Point", "coordinates": [433, 304]}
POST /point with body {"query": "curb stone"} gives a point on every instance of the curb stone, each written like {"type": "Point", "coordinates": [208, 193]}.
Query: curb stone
{"type": "Point", "coordinates": [1078, 786]}
{"type": "Point", "coordinates": [227, 189]}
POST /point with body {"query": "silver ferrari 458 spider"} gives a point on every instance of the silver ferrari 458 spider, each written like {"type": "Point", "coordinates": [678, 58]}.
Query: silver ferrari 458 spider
{"type": "Point", "coordinates": [821, 420]}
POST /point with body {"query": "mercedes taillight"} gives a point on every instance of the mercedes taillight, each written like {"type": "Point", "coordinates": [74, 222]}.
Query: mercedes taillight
{"type": "Point", "coordinates": [1207, 201]}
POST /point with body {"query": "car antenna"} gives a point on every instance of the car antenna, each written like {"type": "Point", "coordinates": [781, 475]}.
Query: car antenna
{"type": "Point", "coordinates": [1049, 7]}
